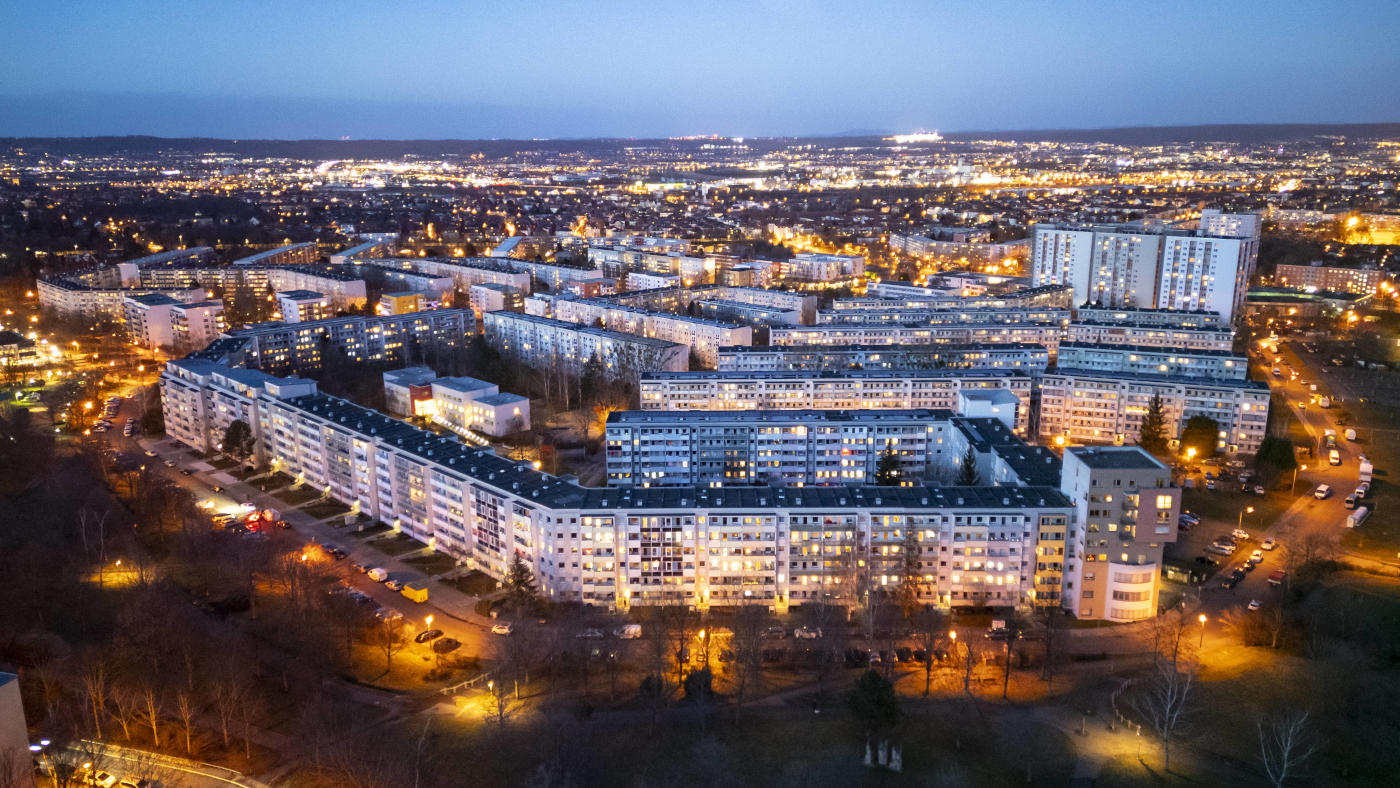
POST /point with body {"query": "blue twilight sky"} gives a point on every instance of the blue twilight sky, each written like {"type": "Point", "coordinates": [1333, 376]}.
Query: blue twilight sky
{"type": "Point", "coordinates": [548, 68]}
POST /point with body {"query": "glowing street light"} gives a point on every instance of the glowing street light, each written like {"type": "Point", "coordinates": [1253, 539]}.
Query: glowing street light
{"type": "Point", "coordinates": [1243, 512]}
{"type": "Point", "coordinates": [1202, 619]}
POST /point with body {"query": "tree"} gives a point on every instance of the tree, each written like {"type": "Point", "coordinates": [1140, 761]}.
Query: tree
{"type": "Point", "coordinates": [1201, 433]}
{"type": "Point", "coordinates": [746, 650]}
{"type": "Point", "coordinates": [389, 638]}
{"type": "Point", "coordinates": [1014, 627]}
{"type": "Point", "coordinates": [930, 627]}
{"type": "Point", "coordinates": [238, 440]}
{"type": "Point", "coordinates": [911, 575]}
{"type": "Point", "coordinates": [967, 473]}
{"type": "Point", "coordinates": [1164, 700]}
{"type": "Point", "coordinates": [1284, 744]}
{"type": "Point", "coordinates": [872, 700]}
{"type": "Point", "coordinates": [1275, 456]}
{"type": "Point", "coordinates": [1152, 436]}
{"type": "Point", "coordinates": [185, 710]}
{"type": "Point", "coordinates": [889, 471]}
{"type": "Point", "coordinates": [521, 593]}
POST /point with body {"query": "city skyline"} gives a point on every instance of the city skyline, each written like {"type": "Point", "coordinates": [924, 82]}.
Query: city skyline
{"type": "Point", "coordinates": [625, 70]}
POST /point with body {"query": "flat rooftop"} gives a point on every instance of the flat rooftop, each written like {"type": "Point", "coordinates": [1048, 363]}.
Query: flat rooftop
{"type": "Point", "coordinates": [1116, 457]}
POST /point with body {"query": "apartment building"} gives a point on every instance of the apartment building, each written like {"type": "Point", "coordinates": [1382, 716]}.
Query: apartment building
{"type": "Point", "coordinates": [282, 348]}
{"type": "Point", "coordinates": [194, 326]}
{"type": "Point", "coordinates": [703, 337]}
{"type": "Point", "coordinates": [435, 287]}
{"type": "Point", "coordinates": [70, 299]}
{"type": "Point", "coordinates": [644, 280]}
{"type": "Point", "coordinates": [618, 548]}
{"type": "Point", "coordinates": [819, 268]}
{"type": "Point", "coordinates": [940, 317]}
{"type": "Point", "coordinates": [489, 297]}
{"type": "Point", "coordinates": [148, 320]}
{"type": "Point", "coordinates": [1085, 406]}
{"type": "Point", "coordinates": [1126, 514]}
{"type": "Point", "coordinates": [301, 306]}
{"type": "Point", "coordinates": [545, 343]}
{"type": "Point", "coordinates": [1047, 335]}
{"type": "Point", "coordinates": [402, 303]}
{"type": "Point", "coordinates": [882, 298]}
{"type": "Point", "coordinates": [1027, 359]}
{"type": "Point", "coordinates": [1148, 316]}
{"type": "Point", "coordinates": [1330, 278]}
{"type": "Point", "coordinates": [965, 244]}
{"type": "Point", "coordinates": [1151, 334]}
{"type": "Point", "coordinates": [1140, 360]}
{"type": "Point", "coordinates": [647, 448]}
{"type": "Point", "coordinates": [292, 254]}
{"type": "Point", "coordinates": [850, 390]}
{"type": "Point", "coordinates": [463, 271]}
{"type": "Point", "coordinates": [1146, 266]}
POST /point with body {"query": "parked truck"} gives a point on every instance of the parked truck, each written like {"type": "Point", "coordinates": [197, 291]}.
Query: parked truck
{"type": "Point", "coordinates": [418, 592]}
{"type": "Point", "coordinates": [1324, 402]}
{"type": "Point", "coordinates": [1358, 517]}
{"type": "Point", "coordinates": [1364, 475]}
{"type": "Point", "coordinates": [1351, 433]}
{"type": "Point", "coordinates": [1329, 438]}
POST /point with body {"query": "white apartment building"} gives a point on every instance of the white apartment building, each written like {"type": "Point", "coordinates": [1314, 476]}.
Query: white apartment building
{"type": "Point", "coordinates": [816, 267]}
{"type": "Point", "coordinates": [1027, 359]}
{"type": "Point", "coordinates": [625, 547]}
{"type": "Point", "coordinates": [292, 254]}
{"type": "Point", "coordinates": [1142, 316]}
{"type": "Point", "coordinates": [487, 297]}
{"type": "Point", "coordinates": [1215, 364]}
{"type": "Point", "coordinates": [647, 448]}
{"type": "Point", "coordinates": [464, 271]}
{"type": "Point", "coordinates": [93, 305]}
{"type": "Point", "coordinates": [194, 326]}
{"type": "Point", "coordinates": [1047, 335]}
{"type": "Point", "coordinates": [644, 280]}
{"type": "Point", "coordinates": [1084, 406]}
{"type": "Point", "coordinates": [298, 347]}
{"type": "Point", "coordinates": [704, 337]}
{"type": "Point", "coordinates": [852, 390]}
{"type": "Point", "coordinates": [301, 306]}
{"type": "Point", "coordinates": [1126, 514]}
{"type": "Point", "coordinates": [544, 343]}
{"type": "Point", "coordinates": [1187, 338]}
{"type": "Point", "coordinates": [1330, 278]}
{"type": "Point", "coordinates": [948, 244]}
{"type": "Point", "coordinates": [940, 317]}
{"type": "Point", "coordinates": [1140, 266]}
{"type": "Point", "coordinates": [148, 320]}
{"type": "Point", "coordinates": [888, 298]}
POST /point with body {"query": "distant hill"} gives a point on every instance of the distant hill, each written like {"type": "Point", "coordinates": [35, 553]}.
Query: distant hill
{"type": "Point", "coordinates": [1249, 134]}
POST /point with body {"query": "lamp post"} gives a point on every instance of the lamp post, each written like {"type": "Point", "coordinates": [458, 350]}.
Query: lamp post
{"type": "Point", "coordinates": [1293, 488]}
{"type": "Point", "coordinates": [1202, 619]}
{"type": "Point", "coordinates": [1246, 510]}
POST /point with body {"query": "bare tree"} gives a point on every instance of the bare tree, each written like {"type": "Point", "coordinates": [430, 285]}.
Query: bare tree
{"type": "Point", "coordinates": [1164, 701]}
{"type": "Point", "coordinates": [500, 702]}
{"type": "Point", "coordinates": [1285, 742]}
{"type": "Point", "coordinates": [388, 637]}
{"type": "Point", "coordinates": [1015, 627]}
{"type": "Point", "coordinates": [125, 705]}
{"type": "Point", "coordinates": [151, 711]}
{"type": "Point", "coordinates": [746, 649]}
{"type": "Point", "coordinates": [185, 710]}
{"type": "Point", "coordinates": [228, 696]}
{"type": "Point", "coordinates": [95, 687]}
{"type": "Point", "coordinates": [930, 629]}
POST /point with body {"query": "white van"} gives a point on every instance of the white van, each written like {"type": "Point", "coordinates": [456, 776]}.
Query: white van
{"type": "Point", "coordinates": [628, 632]}
{"type": "Point", "coordinates": [1334, 457]}
{"type": "Point", "coordinates": [378, 574]}
{"type": "Point", "coordinates": [1358, 517]}
{"type": "Point", "coordinates": [1322, 492]}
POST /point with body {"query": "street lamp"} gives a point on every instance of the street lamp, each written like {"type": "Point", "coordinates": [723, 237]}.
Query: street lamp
{"type": "Point", "coordinates": [429, 621]}
{"type": "Point", "coordinates": [1292, 488]}
{"type": "Point", "coordinates": [1243, 512]}
{"type": "Point", "coordinates": [1202, 619]}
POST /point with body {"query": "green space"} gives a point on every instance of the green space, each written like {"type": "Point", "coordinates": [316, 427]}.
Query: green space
{"type": "Point", "coordinates": [432, 564]}
{"type": "Point", "coordinates": [397, 545]}
{"type": "Point", "coordinates": [473, 583]}
{"type": "Point", "coordinates": [1224, 504]}
{"type": "Point", "coordinates": [327, 509]}
{"type": "Point", "coordinates": [371, 531]}
{"type": "Point", "coordinates": [299, 496]}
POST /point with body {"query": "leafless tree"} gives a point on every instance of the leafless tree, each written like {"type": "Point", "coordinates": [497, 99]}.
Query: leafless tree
{"type": "Point", "coordinates": [500, 702]}
{"type": "Point", "coordinates": [1164, 701]}
{"type": "Point", "coordinates": [1015, 628]}
{"type": "Point", "coordinates": [125, 705]}
{"type": "Point", "coordinates": [1048, 622]}
{"type": "Point", "coordinates": [1285, 743]}
{"type": "Point", "coordinates": [185, 710]}
{"type": "Point", "coordinates": [746, 649]}
{"type": "Point", "coordinates": [228, 696]}
{"type": "Point", "coordinates": [94, 678]}
{"type": "Point", "coordinates": [152, 710]}
{"type": "Point", "coordinates": [930, 632]}
{"type": "Point", "coordinates": [388, 638]}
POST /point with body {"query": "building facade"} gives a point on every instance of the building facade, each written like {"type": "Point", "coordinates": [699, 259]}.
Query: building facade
{"type": "Point", "coordinates": [545, 343]}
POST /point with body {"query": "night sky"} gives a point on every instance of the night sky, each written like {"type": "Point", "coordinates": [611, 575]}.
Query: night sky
{"type": "Point", "coordinates": [427, 69]}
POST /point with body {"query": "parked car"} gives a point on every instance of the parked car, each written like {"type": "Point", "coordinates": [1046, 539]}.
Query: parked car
{"type": "Point", "coordinates": [1230, 582]}
{"type": "Point", "coordinates": [426, 635]}
{"type": "Point", "coordinates": [1240, 534]}
{"type": "Point", "coordinates": [1269, 544]}
{"type": "Point", "coordinates": [590, 634]}
{"type": "Point", "coordinates": [1322, 492]}
{"type": "Point", "coordinates": [393, 585]}
{"type": "Point", "coordinates": [502, 628]}
{"type": "Point", "coordinates": [775, 633]}
{"type": "Point", "coordinates": [807, 633]}
{"type": "Point", "coordinates": [628, 632]}
{"type": "Point", "coordinates": [1255, 604]}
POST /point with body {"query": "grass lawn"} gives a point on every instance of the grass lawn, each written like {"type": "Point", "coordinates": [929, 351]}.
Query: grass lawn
{"type": "Point", "coordinates": [323, 510]}
{"type": "Point", "coordinates": [371, 530]}
{"type": "Point", "coordinates": [473, 583]}
{"type": "Point", "coordinates": [397, 545]}
{"type": "Point", "coordinates": [432, 564]}
{"type": "Point", "coordinates": [300, 496]}
{"type": "Point", "coordinates": [1378, 429]}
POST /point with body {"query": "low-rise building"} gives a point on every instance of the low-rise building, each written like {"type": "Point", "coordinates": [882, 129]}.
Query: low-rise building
{"type": "Point", "coordinates": [401, 303]}
{"type": "Point", "coordinates": [408, 392]}
{"type": "Point", "coordinates": [467, 405]}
